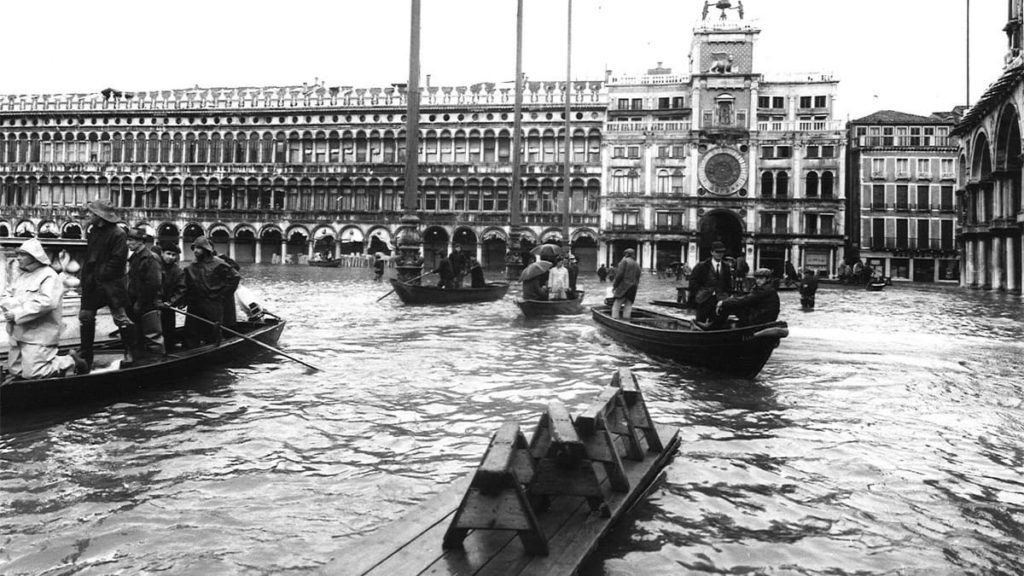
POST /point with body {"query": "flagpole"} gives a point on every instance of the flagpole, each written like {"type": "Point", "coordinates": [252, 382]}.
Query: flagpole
{"type": "Point", "coordinates": [566, 184]}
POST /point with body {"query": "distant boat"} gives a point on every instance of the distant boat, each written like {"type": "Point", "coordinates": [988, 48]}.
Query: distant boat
{"type": "Point", "coordinates": [737, 351]}
{"type": "Point", "coordinates": [412, 294]}
{"type": "Point", "coordinates": [325, 263]}
{"type": "Point", "coordinates": [533, 308]}
{"type": "Point", "coordinates": [876, 285]}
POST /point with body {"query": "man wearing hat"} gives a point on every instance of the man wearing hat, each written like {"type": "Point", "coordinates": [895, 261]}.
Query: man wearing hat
{"type": "Point", "coordinates": [627, 280]}
{"type": "Point", "coordinates": [710, 281]}
{"type": "Point", "coordinates": [32, 311]}
{"type": "Point", "coordinates": [172, 292]}
{"type": "Point", "coordinates": [145, 282]}
{"type": "Point", "coordinates": [209, 282]}
{"type": "Point", "coordinates": [760, 306]}
{"type": "Point", "coordinates": [103, 278]}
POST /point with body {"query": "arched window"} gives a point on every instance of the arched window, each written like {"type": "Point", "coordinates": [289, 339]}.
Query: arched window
{"type": "Point", "coordinates": [618, 183]}
{"type": "Point", "coordinates": [767, 184]}
{"type": "Point", "coordinates": [782, 184]}
{"type": "Point", "coordinates": [633, 182]}
{"type": "Point", "coordinates": [812, 184]}
{"type": "Point", "coordinates": [827, 185]}
{"type": "Point", "coordinates": [664, 182]}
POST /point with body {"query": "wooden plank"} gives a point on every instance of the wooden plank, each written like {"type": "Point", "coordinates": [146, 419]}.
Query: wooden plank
{"type": "Point", "coordinates": [362, 554]}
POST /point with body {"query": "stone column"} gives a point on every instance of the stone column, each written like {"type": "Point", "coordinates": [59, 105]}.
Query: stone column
{"type": "Point", "coordinates": [651, 255]}
{"type": "Point", "coordinates": [983, 279]}
{"type": "Point", "coordinates": [257, 247]}
{"type": "Point", "coordinates": [284, 251]}
{"type": "Point", "coordinates": [998, 282]}
{"type": "Point", "coordinates": [1011, 266]}
{"type": "Point", "coordinates": [231, 249]}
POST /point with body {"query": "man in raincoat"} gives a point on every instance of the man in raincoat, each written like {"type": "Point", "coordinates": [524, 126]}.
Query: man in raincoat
{"type": "Point", "coordinates": [32, 310]}
{"type": "Point", "coordinates": [209, 280]}
{"type": "Point", "coordinates": [145, 282]}
{"type": "Point", "coordinates": [627, 279]}
{"type": "Point", "coordinates": [103, 278]}
{"type": "Point", "coordinates": [172, 293]}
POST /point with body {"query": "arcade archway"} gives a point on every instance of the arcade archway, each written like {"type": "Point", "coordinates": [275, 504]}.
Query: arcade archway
{"type": "Point", "coordinates": [721, 226]}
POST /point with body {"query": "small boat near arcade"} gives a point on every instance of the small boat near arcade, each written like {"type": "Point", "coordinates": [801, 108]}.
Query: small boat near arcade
{"type": "Point", "coordinates": [737, 351]}
{"type": "Point", "coordinates": [535, 308]}
{"type": "Point", "coordinates": [413, 294]}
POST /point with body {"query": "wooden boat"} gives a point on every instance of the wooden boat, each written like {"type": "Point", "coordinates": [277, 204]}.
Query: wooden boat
{"type": "Point", "coordinates": [412, 294]}
{"type": "Point", "coordinates": [671, 304]}
{"type": "Point", "coordinates": [109, 379]}
{"type": "Point", "coordinates": [536, 507]}
{"type": "Point", "coordinates": [876, 285]}
{"type": "Point", "coordinates": [532, 308]}
{"type": "Point", "coordinates": [325, 263]}
{"type": "Point", "coordinates": [737, 351]}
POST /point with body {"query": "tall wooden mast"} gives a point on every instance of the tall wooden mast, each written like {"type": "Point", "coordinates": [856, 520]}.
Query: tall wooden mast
{"type": "Point", "coordinates": [566, 184]}
{"type": "Point", "coordinates": [513, 260]}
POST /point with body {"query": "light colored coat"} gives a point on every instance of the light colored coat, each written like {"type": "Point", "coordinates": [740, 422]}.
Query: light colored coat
{"type": "Point", "coordinates": [558, 282]}
{"type": "Point", "coordinates": [35, 299]}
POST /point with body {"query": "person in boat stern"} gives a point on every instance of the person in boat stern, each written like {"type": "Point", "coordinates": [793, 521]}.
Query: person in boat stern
{"type": "Point", "coordinates": [103, 278]}
{"type": "Point", "coordinates": [208, 281]}
{"type": "Point", "coordinates": [446, 274]}
{"type": "Point", "coordinates": [230, 308]}
{"type": "Point", "coordinates": [172, 293]}
{"type": "Point", "coordinates": [710, 281]}
{"type": "Point", "coordinates": [460, 265]}
{"type": "Point", "coordinates": [145, 282]}
{"type": "Point", "coordinates": [760, 306]}
{"type": "Point", "coordinates": [33, 313]}
{"type": "Point", "coordinates": [627, 279]}
{"type": "Point", "coordinates": [476, 273]}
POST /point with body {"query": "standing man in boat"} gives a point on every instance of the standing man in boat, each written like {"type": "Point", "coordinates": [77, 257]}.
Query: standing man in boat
{"type": "Point", "coordinates": [209, 280]}
{"type": "Point", "coordinates": [627, 280]}
{"type": "Point", "coordinates": [172, 293]}
{"type": "Point", "coordinates": [445, 273]}
{"type": "Point", "coordinates": [32, 310]}
{"type": "Point", "coordinates": [145, 282]}
{"type": "Point", "coordinates": [558, 280]}
{"type": "Point", "coordinates": [460, 265]}
{"type": "Point", "coordinates": [710, 281]}
{"type": "Point", "coordinates": [103, 279]}
{"type": "Point", "coordinates": [574, 272]}
{"type": "Point", "coordinates": [760, 306]}
{"type": "Point", "coordinates": [476, 273]}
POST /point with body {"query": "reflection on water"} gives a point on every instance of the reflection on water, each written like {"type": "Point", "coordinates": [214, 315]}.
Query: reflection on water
{"type": "Point", "coordinates": [884, 436]}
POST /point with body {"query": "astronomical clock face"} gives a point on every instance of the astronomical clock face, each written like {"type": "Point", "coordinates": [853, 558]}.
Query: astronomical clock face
{"type": "Point", "coordinates": [722, 171]}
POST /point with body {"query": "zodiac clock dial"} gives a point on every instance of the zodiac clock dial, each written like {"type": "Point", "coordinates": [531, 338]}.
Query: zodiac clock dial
{"type": "Point", "coordinates": [722, 171]}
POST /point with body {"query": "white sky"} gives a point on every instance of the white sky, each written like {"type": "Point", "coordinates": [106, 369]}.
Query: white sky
{"type": "Point", "coordinates": [906, 55]}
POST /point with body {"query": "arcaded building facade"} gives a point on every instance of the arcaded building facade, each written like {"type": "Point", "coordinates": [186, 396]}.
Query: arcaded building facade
{"type": "Point", "coordinates": [990, 167]}
{"type": "Point", "coordinates": [902, 212]}
{"type": "Point", "coordinates": [722, 153]}
{"type": "Point", "coordinates": [275, 174]}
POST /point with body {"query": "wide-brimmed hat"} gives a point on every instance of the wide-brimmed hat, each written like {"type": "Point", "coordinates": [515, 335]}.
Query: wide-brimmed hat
{"type": "Point", "coordinates": [717, 246]}
{"type": "Point", "coordinates": [34, 248]}
{"type": "Point", "coordinates": [204, 243]}
{"type": "Point", "coordinates": [763, 273]}
{"type": "Point", "coordinates": [169, 246]}
{"type": "Point", "coordinates": [137, 234]}
{"type": "Point", "coordinates": [629, 252]}
{"type": "Point", "coordinates": [103, 209]}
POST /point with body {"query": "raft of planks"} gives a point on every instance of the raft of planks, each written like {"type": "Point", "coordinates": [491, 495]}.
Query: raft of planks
{"type": "Point", "coordinates": [530, 508]}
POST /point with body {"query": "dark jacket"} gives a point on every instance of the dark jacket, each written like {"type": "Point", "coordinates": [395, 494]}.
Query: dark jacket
{"type": "Point", "coordinates": [533, 288]}
{"type": "Point", "coordinates": [476, 275]}
{"type": "Point", "coordinates": [173, 289]}
{"type": "Point", "coordinates": [759, 307]}
{"type": "Point", "coordinates": [808, 286]}
{"type": "Point", "coordinates": [103, 273]}
{"type": "Point", "coordinates": [446, 273]}
{"type": "Point", "coordinates": [459, 261]}
{"type": "Point", "coordinates": [145, 280]}
{"type": "Point", "coordinates": [704, 283]}
{"type": "Point", "coordinates": [627, 275]}
{"type": "Point", "coordinates": [210, 281]}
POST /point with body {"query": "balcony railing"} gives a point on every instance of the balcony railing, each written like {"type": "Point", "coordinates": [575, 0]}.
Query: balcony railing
{"type": "Point", "coordinates": [800, 125]}
{"type": "Point", "coordinates": [906, 141]}
{"type": "Point", "coordinates": [898, 243]}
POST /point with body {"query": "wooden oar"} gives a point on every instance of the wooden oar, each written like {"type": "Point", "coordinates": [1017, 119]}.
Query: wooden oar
{"type": "Point", "coordinates": [250, 339]}
{"type": "Point", "coordinates": [406, 281]}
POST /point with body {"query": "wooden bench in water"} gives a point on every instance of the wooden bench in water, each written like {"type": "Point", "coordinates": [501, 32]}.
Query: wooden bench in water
{"type": "Point", "coordinates": [536, 507]}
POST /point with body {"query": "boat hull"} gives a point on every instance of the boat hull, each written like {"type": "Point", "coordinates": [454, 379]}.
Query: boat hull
{"type": "Point", "coordinates": [411, 294]}
{"type": "Point", "coordinates": [21, 395]}
{"type": "Point", "coordinates": [534, 308]}
{"type": "Point", "coordinates": [740, 352]}
{"type": "Point", "coordinates": [325, 263]}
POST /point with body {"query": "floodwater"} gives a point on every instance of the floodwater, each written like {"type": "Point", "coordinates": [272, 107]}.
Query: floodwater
{"type": "Point", "coordinates": [885, 436]}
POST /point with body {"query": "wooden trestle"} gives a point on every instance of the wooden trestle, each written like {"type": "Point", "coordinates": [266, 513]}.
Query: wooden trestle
{"type": "Point", "coordinates": [536, 507]}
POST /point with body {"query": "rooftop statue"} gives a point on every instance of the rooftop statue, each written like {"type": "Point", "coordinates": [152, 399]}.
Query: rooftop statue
{"type": "Point", "coordinates": [722, 5]}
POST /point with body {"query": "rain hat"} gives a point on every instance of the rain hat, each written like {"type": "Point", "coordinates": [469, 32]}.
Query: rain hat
{"type": "Point", "coordinates": [34, 248]}
{"type": "Point", "coordinates": [103, 209]}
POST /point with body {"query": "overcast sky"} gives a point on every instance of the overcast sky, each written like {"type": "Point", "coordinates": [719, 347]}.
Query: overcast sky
{"type": "Point", "coordinates": [907, 55]}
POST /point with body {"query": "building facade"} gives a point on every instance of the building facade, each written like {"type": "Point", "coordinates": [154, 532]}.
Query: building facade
{"type": "Point", "coordinates": [278, 173]}
{"type": "Point", "coordinates": [721, 153]}
{"type": "Point", "coordinates": [990, 165]}
{"type": "Point", "coordinates": [902, 212]}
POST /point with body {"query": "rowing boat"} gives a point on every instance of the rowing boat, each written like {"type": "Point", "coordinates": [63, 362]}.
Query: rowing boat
{"type": "Point", "coordinates": [736, 351]}
{"type": "Point", "coordinates": [532, 308]}
{"type": "Point", "coordinates": [110, 379]}
{"type": "Point", "coordinates": [412, 294]}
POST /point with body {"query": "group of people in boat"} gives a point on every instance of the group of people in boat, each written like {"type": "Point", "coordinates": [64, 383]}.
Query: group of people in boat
{"type": "Point", "coordinates": [453, 269]}
{"type": "Point", "coordinates": [142, 285]}
{"type": "Point", "coordinates": [558, 283]}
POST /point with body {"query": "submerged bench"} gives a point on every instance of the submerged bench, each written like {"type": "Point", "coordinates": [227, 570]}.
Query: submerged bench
{"type": "Point", "coordinates": [531, 507]}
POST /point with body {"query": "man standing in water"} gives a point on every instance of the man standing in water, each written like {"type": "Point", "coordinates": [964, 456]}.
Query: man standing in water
{"type": "Point", "coordinates": [103, 279]}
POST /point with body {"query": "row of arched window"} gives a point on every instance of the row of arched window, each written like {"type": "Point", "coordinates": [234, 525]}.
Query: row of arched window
{"type": "Point", "coordinates": [776, 184]}
{"type": "Point", "coordinates": [320, 147]}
